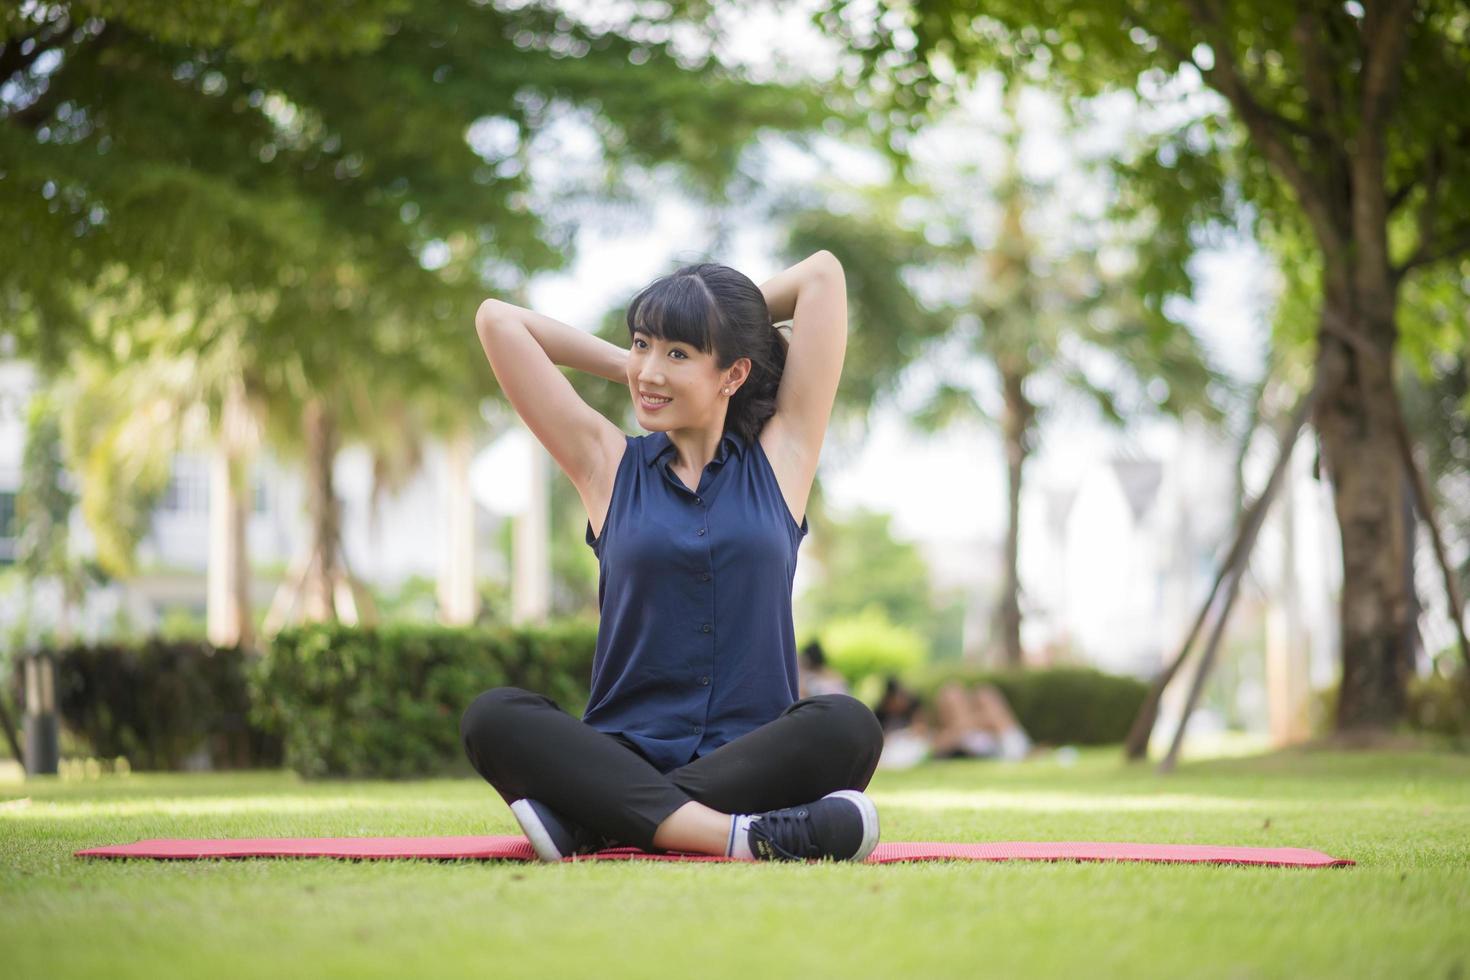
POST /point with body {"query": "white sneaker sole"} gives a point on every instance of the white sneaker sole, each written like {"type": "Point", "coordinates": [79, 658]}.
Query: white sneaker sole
{"type": "Point", "coordinates": [535, 831]}
{"type": "Point", "coordinates": [870, 820]}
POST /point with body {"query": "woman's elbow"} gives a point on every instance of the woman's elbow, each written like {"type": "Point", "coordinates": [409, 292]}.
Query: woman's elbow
{"type": "Point", "coordinates": [491, 312]}
{"type": "Point", "coordinates": [828, 263]}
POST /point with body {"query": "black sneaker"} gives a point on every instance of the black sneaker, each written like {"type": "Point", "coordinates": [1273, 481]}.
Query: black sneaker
{"type": "Point", "coordinates": [842, 826]}
{"type": "Point", "coordinates": [552, 836]}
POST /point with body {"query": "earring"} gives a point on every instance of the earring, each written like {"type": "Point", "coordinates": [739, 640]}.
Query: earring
{"type": "Point", "coordinates": [727, 391]}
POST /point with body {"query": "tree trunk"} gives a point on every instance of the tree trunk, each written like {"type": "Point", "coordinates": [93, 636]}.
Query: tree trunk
{"type": "Point", "coordinates": [530, 594]}
{"type": "Point", "coordinates": [1355, 422]}
{"type": "Point", "coordinates": [324, 511]}
{"type": "Point", "coordinates": [228, 619]}
{"type": "Point", "coordinates": [1016, 426]}
{"type": "Point", "coordinates": [1288, 670]}
{"type": "Point", "coordinates": [227, 606]}
{"type": "Point", "coordinates": [457, 599]}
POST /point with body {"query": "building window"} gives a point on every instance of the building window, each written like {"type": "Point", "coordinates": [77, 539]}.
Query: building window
{"type": "Point", "coordinates": [188, 490]}
{"type": "Point", "coordinates": [7, 527]}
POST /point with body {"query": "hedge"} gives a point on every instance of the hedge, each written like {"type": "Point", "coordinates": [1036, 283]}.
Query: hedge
{"type": "Point", "coordinates": [339, 701]}
{"type": "Point", "coordinates": [1056, 705]}
{"type": "Point", "coordinates": [156, 702]}
{"type": "Point", "coordinates": [325, 700]}
{"type": "Point", "coordinates": [387, 702]}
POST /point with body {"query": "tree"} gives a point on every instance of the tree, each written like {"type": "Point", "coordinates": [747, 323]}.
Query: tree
{"type": "Point", "coordinates": [124, 423]}
{"type": "Point", "coordinates": [864, 566]}
{"type": "Point", "coordinates": [1343, 123]}
{"type": "Point", "coordinates": [330, 189]}
{"type": "Point", "coordinates": [1055, 316]}
{"type": "Point", "coordinates": [42, 510]}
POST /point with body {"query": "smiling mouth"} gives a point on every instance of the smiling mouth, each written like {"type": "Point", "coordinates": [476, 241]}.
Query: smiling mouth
{"type": "Point", "coordinates": [652, 401]}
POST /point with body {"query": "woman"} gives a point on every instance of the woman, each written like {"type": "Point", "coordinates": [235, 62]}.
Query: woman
{"type": "Point", "coordinates": [693, 739]}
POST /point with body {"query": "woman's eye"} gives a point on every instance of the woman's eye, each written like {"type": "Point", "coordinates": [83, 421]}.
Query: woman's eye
{"type": "Point", "coordinates": [680, 353]}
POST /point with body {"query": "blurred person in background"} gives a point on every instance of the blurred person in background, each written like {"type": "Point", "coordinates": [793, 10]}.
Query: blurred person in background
{"type": "Point", "coordinates": [966, 723]}
{"type": "Point", "coordinates": [816, 676]}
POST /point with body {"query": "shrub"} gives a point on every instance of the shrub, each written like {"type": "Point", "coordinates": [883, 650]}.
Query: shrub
{"type": "Point", "coordinates": [1437, 705]}
{"type": "Point", "coordinates": [387, 702]}
{"type": "Point", "coordinates": [869, 643]}
{"type": "Point", "coordinates": [1059, 705]}
{"type": "Point", "coordinates": [1440, 704]}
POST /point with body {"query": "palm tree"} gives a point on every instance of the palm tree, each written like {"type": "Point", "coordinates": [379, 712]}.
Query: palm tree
{"type": "Point", "coordinates": [125, 420]}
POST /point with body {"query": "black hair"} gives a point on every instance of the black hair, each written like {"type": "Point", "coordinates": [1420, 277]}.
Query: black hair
{"type": "Point", "coordinates": [813, 656]}
{"type": "Point", "coordinates": [718, 310]}
{"type": "Point", "coordinates": [892, 716]}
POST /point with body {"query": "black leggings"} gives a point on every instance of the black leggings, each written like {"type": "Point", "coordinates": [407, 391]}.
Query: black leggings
{"type": "Point", "coordinates": [527, 747]}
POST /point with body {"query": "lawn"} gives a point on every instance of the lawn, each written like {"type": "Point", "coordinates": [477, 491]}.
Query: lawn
{"type": "Point", "coordinates": [1404, 910]}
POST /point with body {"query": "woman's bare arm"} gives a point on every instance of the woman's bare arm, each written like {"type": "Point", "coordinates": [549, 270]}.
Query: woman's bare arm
{"type": "Point", "coordinates": [813, 292]}
{"type": "Point", "coordinates": [569, 347]}
{"type": "Point", "coordinates": [782, 289]}
{"type": "Point", "coordinates": [524, 358]}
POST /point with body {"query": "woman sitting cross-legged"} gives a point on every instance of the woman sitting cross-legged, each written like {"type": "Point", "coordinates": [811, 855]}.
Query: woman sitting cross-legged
{"type": "Point", "coordinates": [694, 738]}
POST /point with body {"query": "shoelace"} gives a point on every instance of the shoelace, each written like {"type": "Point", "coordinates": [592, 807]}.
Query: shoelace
{"type": "Point", "coordinates": [790, 827]}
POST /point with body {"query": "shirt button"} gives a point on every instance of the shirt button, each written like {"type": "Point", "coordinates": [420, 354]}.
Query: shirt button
{"type": "Point", "coordinates": [705, 627]}
{"type": "Point", "coordinates": [704, 682]}
{"type": "Point", "coordinates": [701, 531]}
{"type": "Point", "coordinates": [698, 729]}
{"type": "Point", "coordinates": [704, 577]}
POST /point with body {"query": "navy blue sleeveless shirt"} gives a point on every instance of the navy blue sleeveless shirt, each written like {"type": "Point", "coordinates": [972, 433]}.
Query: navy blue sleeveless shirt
{"type": "Point", "coordinates": [696, 645]}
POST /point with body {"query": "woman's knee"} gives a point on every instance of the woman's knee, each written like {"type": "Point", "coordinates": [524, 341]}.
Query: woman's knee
{"type": "Point", "coordinates": [493, 711]}
{"type": "Point", "coordinates": [854, 723]}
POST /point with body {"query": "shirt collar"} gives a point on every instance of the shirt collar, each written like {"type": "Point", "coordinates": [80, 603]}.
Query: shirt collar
{"type": "Point", "coordinates": [661, 446]}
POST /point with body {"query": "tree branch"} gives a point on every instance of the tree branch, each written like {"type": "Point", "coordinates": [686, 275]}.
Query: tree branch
{"type": "Point", "coordinates": [1322, 94]}
{"type": "Point", "coordinates": [13, 60]}
{"type": "Point", "coordinates": [1455, 241]}
{"type": "Point", "coordinates": [1184, 56]}
{"type": "Point", "coordinates": [33, 115]}
{"type": "Point", "coordinates": [1265, 128]}
{"type": "Point", "coordinates": [1398, 196]}
{"type": "Point", "coordinates": [1385, 30]}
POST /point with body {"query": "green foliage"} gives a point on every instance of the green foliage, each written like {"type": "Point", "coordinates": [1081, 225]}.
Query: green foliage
{"type": "Point", "coordinates": [327, 700]}
{"type": "Point", "coordinates": [290, 167]}
{"type": "Point", "coordinates": [890, 325]}
{"type": "Point", "coordinates": [1058, 705]}
{"type": "Point", "coordinates": [301, 200]}
{"type": "Point", "coordinates": [869, 643]}
{"type": "Point", "coordinates": [1269, 147]}
{"type": "Point", "coordinates": [1440, 704]}
{"type": "Point", "coordinates": [387, 702]}
{"type": "Point", "coordinates": [863, 566]}
{"type": "Point", "coordinates": [1437, 705]}
{"type": "Point", "coordinates": [180, 624]}
{"type": "Point", "coordinates": [414, 600]}
{"type": "Point", "coordinates": [46, 497]}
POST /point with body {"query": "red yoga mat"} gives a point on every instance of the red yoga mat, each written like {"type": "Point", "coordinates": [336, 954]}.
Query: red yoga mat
{"type": "Point", "coordinates": [519, 849]}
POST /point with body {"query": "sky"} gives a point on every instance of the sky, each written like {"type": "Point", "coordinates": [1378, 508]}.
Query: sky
{"type": "Point", "coordinates": [936, 487]}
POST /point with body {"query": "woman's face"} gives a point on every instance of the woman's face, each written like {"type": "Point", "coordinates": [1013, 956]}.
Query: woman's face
{"type": "Point", "coordinates": [681, 372]}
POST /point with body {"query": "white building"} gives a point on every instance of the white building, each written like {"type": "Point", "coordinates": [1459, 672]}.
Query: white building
{"type": "Point", "coordinates": [404, 535]}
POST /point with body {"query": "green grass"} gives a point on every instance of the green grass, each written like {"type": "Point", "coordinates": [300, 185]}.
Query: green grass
{"type": "Point", "coordinates": [1404, 910]}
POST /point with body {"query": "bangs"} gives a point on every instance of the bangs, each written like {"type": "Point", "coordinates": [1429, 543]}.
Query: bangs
{"type": "Point", "coordinates": [677, 309]}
